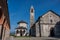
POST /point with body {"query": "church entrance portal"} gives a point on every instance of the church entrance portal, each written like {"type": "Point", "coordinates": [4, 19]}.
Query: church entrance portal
{"type": "Point", "coordinates": [52, 32]}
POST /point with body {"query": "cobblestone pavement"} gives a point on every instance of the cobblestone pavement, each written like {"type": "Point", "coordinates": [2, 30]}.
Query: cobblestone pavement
{"type": "Point", "coordinates": [32, 38]}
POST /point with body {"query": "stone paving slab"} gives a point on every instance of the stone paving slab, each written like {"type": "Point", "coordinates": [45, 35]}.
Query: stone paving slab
{"type": "Point", "coordinates": [33, 38]}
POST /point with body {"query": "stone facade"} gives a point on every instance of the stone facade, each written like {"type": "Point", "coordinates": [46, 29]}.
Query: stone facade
{"type": "Point", "coordinates": [4, 20]}
{"type": "Point", "coordinates": [47, 25]}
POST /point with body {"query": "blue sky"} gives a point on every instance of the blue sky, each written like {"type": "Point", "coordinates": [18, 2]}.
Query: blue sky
{"type": "Point", "coordinates": [20, 10]}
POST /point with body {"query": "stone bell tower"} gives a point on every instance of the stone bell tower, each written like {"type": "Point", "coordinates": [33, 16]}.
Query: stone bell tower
{"type": "Point", "coordinates": [31, 16]}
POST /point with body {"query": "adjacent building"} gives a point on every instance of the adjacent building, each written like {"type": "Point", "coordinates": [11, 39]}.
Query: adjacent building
{"type": "Point", "coordinates": [47, 25]}
{"type": "Point", "coordinates": [21, 30]}
{"type": "Point", "coordinates": [4, 20]}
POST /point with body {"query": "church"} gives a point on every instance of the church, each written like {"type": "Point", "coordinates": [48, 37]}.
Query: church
{"type": "Point", "coordinates": [47, 25]}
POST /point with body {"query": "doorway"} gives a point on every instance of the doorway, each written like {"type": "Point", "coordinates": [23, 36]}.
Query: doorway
{"type": "Point", "coordinates": [20, 32]}
{"type": "Point", "coordinates": [52, 32]}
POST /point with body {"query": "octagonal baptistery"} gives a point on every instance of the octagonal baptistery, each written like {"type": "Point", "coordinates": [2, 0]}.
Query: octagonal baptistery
{"type": "Point", "coordinates": [21, 30]}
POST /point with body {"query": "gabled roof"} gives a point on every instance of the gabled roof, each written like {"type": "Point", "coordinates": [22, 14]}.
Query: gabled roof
{"type": "Point", "coordinates": [54, 13]}
{"type": "Point", "coordinates": [47, 12]}
{"type": "Point", "coordinates": [22, 22]}
{"type": "Point", "coordinates": [50, 11]}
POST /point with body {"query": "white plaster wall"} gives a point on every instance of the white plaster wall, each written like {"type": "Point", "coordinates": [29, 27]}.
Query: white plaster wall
{"type": "Point", "coordinates": [18, 34]}
{"type": "Point", "coordinates": [23, 24]}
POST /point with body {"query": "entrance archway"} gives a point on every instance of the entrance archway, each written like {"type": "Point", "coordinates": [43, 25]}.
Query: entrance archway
{"type": "Point", "coordinates": [21, 32]}
{"type": "Point", "coordinates": [52, 32]}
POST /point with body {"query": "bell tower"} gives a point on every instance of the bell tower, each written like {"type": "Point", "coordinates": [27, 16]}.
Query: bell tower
{"type": "Point", "coordinates": [31, 16]}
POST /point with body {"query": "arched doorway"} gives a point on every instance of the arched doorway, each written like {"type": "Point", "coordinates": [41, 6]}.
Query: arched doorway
{"type": "Point", "coordinates": [20, 32]}
{"type": "Point", "coordinates": [52, 32]}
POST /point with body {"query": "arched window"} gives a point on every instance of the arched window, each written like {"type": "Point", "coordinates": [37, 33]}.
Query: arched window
{"type": "Point", "coordinates": [51, 21]}
{"type": "Point", "coordinates": [17, 31]}
{"type": "Point", "coordinates": [32, 10]}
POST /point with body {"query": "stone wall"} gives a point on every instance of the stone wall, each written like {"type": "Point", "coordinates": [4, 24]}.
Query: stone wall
{"type": "Point", "coordinates": [37, 30]}
{"type": "Point", "coordinates": [46, 24]}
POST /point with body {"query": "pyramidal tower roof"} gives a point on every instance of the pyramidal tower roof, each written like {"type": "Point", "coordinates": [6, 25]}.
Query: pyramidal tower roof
{"type": "Point", "coordinates": [32, 6]}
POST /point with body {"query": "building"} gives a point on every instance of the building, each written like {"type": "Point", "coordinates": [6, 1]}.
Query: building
{"type": "Point", "coordinates": [31, 17]}
{"type": "Point", "coordinates": [21, 30]}
{"type": "Point", "coordinates": [4, 20]}
{"type": "Point", "coordinates": [47, 25]}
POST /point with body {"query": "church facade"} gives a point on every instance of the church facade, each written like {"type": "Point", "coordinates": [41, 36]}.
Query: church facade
{"type": "Point", "coordinates": [4, 20]}
{"type": "Point", "coordinates": [47, 25]}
